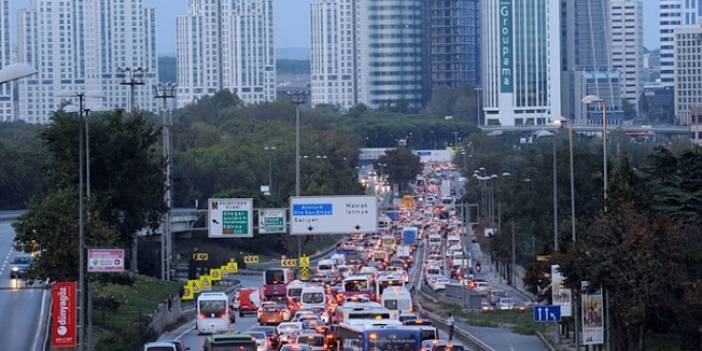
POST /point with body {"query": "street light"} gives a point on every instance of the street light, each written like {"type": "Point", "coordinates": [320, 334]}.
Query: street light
{"type": "Point", "coordinates": [589, 100]}
{"type": "Point", "coordinates": [298, 98]}
{"type": "Point", "coordinates": [16, 71]}
{"type": "Point", "coordinates": [559, 122]}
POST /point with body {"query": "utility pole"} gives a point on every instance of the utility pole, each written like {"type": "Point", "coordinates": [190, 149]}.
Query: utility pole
{"type": "Point", "coordinates": [81, 228]}
{"type": "Point", "coordinates": [513, 277]}
{"type": "Point", "coordinates": [555, 197]}
{"type": "Point", "coordinates": [165, 92]}
{"type": "Point", "coordinates": [133, 76]}
{"type": "Point", "coordinates": [298, 98]}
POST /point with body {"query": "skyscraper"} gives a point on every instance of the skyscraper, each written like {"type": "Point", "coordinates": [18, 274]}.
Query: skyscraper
{"type": "Point", "coordinates": [675, 14]}
{"type": "Point", "coordinates": [687, 73]}
{"type": "Point", "coordinates": [370, 52]}
{"type": "Point", "coordinates": [334, 38]}
{"type": "Point", "coordinates": [455, 42]}
{"type": "Point", "coordinates": [7, 106]}
{"type": "Point", "coordinates": [226, 45]}
{"type": "Point", "coordinates": [78, 46]}
{"type": "Point", "coordinates": [626, 45]}
{"type": "Point", "coordinates": [521, 56]}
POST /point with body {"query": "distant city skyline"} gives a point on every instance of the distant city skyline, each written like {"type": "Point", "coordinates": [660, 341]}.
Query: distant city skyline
{"type": "Point", "coordinates": [292, 22]}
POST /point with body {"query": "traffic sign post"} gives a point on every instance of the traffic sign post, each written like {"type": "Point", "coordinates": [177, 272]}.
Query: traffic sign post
{"type": "Point", "coordinates": [216, 274]}
{"type": "Point", "coordinates": [230, 218]}
{"type": "Point", "coordinates": [271, 221]}
{"type": "Point", "coordinates": [547, 313]}
{"type": "Point", "coordinates": [333, 214]}
{"type": "Point", "coordinates": [205, 283]}
{"type": "Point", "coordinates": [305, 261]}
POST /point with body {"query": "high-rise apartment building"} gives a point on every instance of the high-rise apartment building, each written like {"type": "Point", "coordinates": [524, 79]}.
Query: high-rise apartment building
{"type": "Point", "coordinates": [521, 56]}
{"type": "Point", "coordinates": [674, 14]}
{"type": "Point", "coordinates": [78, 46]}
{"type": "Point", "coordinates": [455, 42]}
{"type": "Point", "coordinates": [687, 72]}
{"type": "Point", "coordinates": [334, 38]}
{"type": "Point", "coordinates": [7, 106]}
{"type": "Point", "coordinates": [370, 52]}
{"type": "Point", "coordinates": [226, 45]}
{"type": "Point", "coordinates": [626, 45]}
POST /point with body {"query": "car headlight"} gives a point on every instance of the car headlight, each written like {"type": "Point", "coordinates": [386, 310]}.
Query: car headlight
{"type": "Point", "coordinates": [15, 269]}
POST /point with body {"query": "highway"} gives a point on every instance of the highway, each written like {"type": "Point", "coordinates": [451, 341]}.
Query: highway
{"type": "Point", "coordinates": [20, 308]}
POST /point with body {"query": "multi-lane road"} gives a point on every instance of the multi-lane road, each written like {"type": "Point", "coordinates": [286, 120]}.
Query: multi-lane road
{"type": "Point", "coordinates": [20, 307]}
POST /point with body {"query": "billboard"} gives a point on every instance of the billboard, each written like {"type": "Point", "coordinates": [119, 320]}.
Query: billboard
{"type": "Point", "coordinates": [561, 295]}
{"type": "Point", "coordinates": [333, 214]}
{"type": "Point", "coordinates": [506, 64]}
{"type": "Point", "coordinates": [63, 315]}
{"type": "Point", "coordinates": [230, 218]}
{"type": "Point", "coordinates": [592, 317]}
{"type": "Point", "coordinates": [105, 260]}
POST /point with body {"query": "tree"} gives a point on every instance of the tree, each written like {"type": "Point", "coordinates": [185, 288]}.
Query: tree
{"type": "Point", "coordinates": [50, 229]}
{"type": "Point", "coordinates": [126, 170]}
{"type": "Point", "coordinates": [401, 166]}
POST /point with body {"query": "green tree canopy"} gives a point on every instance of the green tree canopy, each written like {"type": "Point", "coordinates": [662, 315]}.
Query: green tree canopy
{"type": "Point", "coordinates": [401, 166]}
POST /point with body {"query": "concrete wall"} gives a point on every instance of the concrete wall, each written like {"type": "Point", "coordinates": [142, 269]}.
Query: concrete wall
{"type": "Point", "coordinates": [165, 316]}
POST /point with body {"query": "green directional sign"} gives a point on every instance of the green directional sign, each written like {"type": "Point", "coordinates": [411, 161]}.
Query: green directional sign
{"type": "Point", "coordinates": [271, 221]}
{"type": "Point", "coordinates": [230, 218]}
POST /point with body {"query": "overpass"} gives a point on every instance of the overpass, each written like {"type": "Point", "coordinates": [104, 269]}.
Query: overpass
{"type": "Point", "coordinates": [589, 128]}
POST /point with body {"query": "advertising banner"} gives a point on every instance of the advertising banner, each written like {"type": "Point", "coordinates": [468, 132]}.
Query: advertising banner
{"type": "Point", "coordinates": [593, 318]}
{"type": "Point", "coordinates": [63, 315]}
{"type": "Point", "coordinates": [105, 260]}
{"type": "Point", "coordinates": [561, 295]}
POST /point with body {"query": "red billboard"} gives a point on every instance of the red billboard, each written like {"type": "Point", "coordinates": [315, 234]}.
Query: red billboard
{"type": "Point", "coordinates": [63, 315]}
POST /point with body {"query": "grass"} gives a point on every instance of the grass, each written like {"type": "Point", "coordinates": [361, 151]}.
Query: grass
{"type": "Point", "coordinates": [519, 322]}
{"type": "Point", "coordinates": [136, 304]}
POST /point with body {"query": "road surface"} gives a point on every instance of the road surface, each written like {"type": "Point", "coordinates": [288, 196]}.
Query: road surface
{"type": "Point", "coordinates": [20, 308]}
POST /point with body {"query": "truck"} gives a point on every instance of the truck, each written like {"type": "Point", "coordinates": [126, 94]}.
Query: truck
{"type": "Point", "coordinates": [446, 188]}
{"type": "Point", "coordinates": [409, 235]}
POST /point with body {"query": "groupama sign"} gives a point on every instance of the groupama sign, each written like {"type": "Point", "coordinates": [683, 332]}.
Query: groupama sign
{"type": "Point", "coordinates": [506, 64]}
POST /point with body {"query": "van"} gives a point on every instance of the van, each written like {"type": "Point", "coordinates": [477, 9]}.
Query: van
{"type": "Point", "coordinates": [230, 341]}
{"type": "Point", "coordinates": [396, 299]}
{"type": "Point", "coordinates": [312, 296]}
{"type": "Point", "coordinates": [326, 267]}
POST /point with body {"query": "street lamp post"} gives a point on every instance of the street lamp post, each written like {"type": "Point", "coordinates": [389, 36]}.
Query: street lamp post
{"type": "Point", "coordinates": [298, 98]}
{"type": "Point", "coordinates": [592, 99]}
{"type": "Point", "coordinates": [166, 92]}
{"type": "Point", "coordinates": [16, 71]}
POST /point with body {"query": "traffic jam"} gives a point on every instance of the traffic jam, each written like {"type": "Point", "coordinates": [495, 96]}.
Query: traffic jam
{"type": "Point", "coordinates": [360, 296]}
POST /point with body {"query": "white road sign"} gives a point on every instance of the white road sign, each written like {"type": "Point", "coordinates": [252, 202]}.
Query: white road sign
{"type": "Point", "coordinates": [271, 221]}
{"type": "Point", "coordinates": [333, 214]}
{"type": "Point", "coordinates": [230, 218]}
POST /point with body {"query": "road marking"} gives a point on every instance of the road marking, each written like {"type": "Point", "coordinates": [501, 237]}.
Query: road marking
{"type": "Point", "coordinates": [185, 332]}
{"type": "Point", "coordinates": [7, 259]}
{"type": "Point", "coordinates": [41, 322]}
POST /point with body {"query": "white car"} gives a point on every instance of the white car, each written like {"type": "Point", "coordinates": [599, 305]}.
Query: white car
{"type": "Point", "coordinates": [314, 340]}
{"type": "Point", "coordinates": [505, 303]}
{"type": "Point", "coordinates": [289, 329]}
{"type": "Point", "coordinates": [438, 283]}
{"type": "Point", "coordinates": [262, 342]}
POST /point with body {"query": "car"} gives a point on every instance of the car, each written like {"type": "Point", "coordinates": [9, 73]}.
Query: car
{"type": "Point", "coordinates": [438, 283]}
{"type": "Point", "coordinates": [418, 322]}
{"type": "Point", "coordinates": [272, 314]}
{"type": "Point", "coordinates": [443, 345]}
{"type": "Point", "coordinates": [288, 331]}
{"type": "Point", "coordinates": [170, 345]}
{"type": "Point", "coordinates": [229, 341]}
{"type": "Point", "coordinates": [406, 316]}
{"type": "Point", "coordinates": [270, 332]}
{"type": "Point", "coordinates": [262, 341]}
{"type": "Point", "coordinates": [505, 303]}
{"type": "Point", "coordinates": [295, 347]}
{"type": "Point", "coordinates": [314, 340]}
{"type": "Point", "coordinates": [301, 313]}
{"type": "Point", "coordinates": [20, 266]}
{"type": "Point", "coordinates": [485, 306]}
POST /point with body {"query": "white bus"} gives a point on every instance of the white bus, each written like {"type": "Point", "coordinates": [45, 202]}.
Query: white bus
{"type": "Point", "coordinates": [212, 313]}
{"type": "Point", "coordinates": [385, 280]}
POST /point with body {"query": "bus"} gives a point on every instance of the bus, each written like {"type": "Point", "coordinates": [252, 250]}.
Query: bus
{"type": "Point", "coordinates": [397, 300]}
{"type": "Point", "coordinates": [360, 310]}
{"type": "Point", "coordinates": [357, 285]}
{"type": "Point", "coordinates": [385, 280]}
{"type": "Point", "coordinates": [212, 313]}
{"type": "Point", "coordinates": [275, 282]}
{"type": "Point", "coordinates": [379, 335]}
{"type": "Point", "coordinates": [228, 342]}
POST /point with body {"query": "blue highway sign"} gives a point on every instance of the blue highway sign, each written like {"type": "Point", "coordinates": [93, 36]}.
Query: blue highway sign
{"type": "Point", "coordinates": [547, 313]}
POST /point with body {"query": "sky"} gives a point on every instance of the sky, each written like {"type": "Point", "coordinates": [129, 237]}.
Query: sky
{"type": "Point", "coordinates": [292, 22]}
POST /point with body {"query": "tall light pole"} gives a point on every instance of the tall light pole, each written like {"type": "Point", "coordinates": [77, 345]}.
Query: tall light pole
{"type": "Point", "coordinates": [166, 92]}
{"type": "Point", "coordinates": [477, 90]}
{"type": "Point", "coordinates": [270, 168]}
{"type": "Point", "coordinates": [592, 99]}
{"type": "Point", "coordinates": [559, 122]}
{"type": "Point", "coordinates": [298, 98]}
{"type": "Point", "coordinates": [133, 76]}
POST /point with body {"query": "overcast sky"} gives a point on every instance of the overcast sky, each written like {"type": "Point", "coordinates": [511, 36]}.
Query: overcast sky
{"type": "Point", "coordinates": [292, 22]}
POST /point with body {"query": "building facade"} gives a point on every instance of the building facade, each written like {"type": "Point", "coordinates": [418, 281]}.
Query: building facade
{"type": "Point", "coordinates": [688, 72]}
{"type": "Point", "coordinates": [393, 51]}
{"type": "Point", "coordinates": [226, 45]}
{"type": "Point", "coordinates": [674, 14]}
{"type": "Point", "coordinates": [521, 61]}
{"type": "Point", "coordinates": [77, 46]}
{"type": "Point", "coordinates": [7, 105]}
{"type": "Point", "coordinates": [455, 43]}
{"type": "Point", "coordinates": [334, 49]}
{"type": "Point", "coordinates": [606, 85]}
{"type": "Point", "coordinates": [626, 45]}
{"type": "Point", "coordinates": [696, 126]}
{"type": "Point", "coordinates": [585, 51]}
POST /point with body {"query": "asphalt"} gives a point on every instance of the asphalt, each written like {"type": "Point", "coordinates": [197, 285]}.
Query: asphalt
{"type": "Point", "coordinates": [20, 308]}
